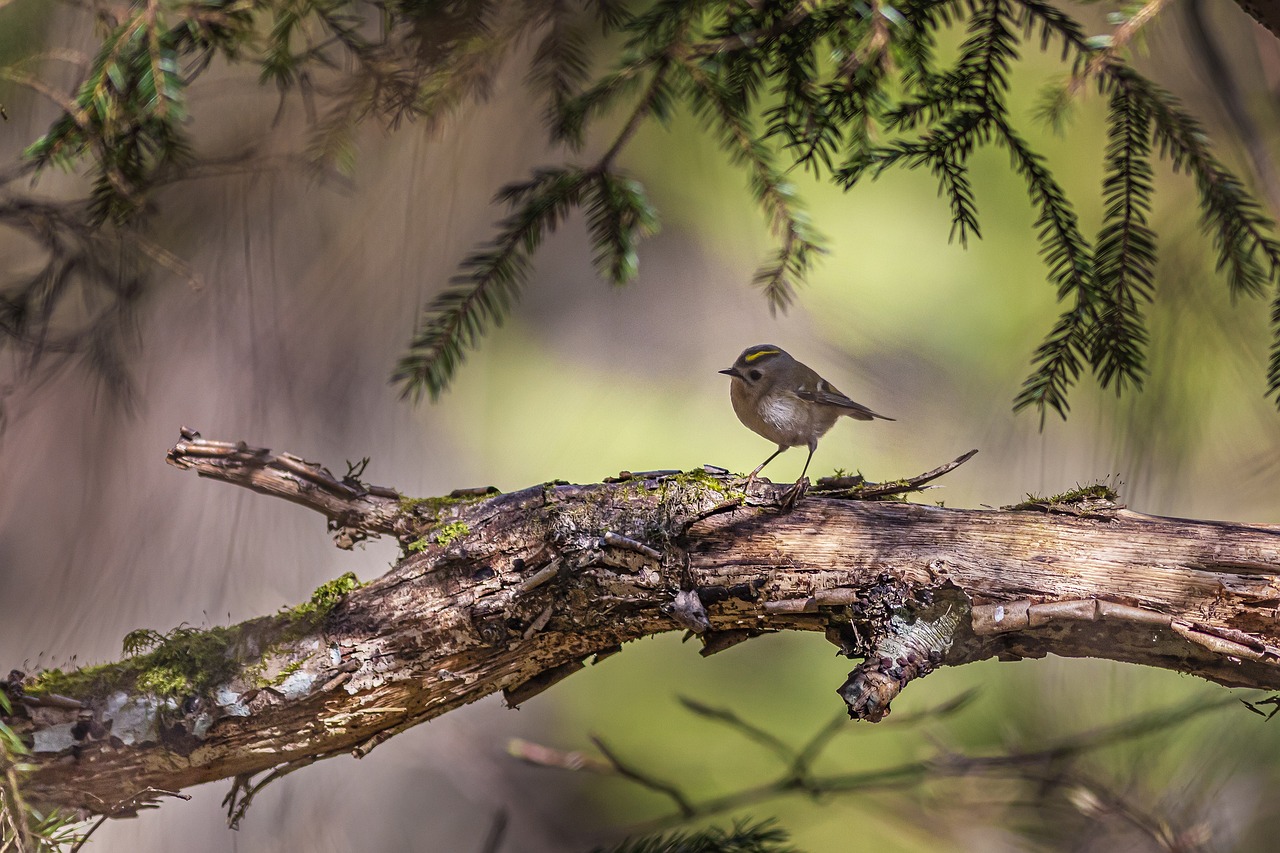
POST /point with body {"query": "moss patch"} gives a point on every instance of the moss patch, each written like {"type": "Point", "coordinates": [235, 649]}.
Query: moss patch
{"type": "Point", "coordinates": [431, 515]}
{"type": "Point", "coordinates": [1078, 495]}
{"type": "Point", "coordinates": [429, 508]}
{"type": "Point", "coordinates": [187, 661]}
{"type": "Point", "coordinates": [326, 597]}
{"type": "Point", "coordinates": [182, 662]}
{"type": "Point", "coordinates": [449, 532]}
{"type": "Point", "coordinates": [443, 536]}
{"type": "Point", "coordinates": [699, 477]}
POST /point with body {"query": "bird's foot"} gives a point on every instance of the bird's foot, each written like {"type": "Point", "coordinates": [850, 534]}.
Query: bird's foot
{"type": "Point", "coordinates": [793, 495]}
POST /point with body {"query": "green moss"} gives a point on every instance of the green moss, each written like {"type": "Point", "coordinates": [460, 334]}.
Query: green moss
{"type": "Point", "coordinates": [429, 507]}
{"type": "Point", "coordinates": [433, 512]}
{"type": "Point", "coordinates": [326, 597]}
{"type": "Point", "coordinates": [889, 484]}
{"type": "Point", "coordinates": [79, 683]}
{"type": "Point", "coordinates": [698, 477]}
{"type": "Point", "coordinates": [1080, 494]}
{"type": "Point", "coordinates": [444, 535]}
{"type": "Point", "coordinates": [164, 681]}
{"type": "Point", "coordinates": [183, 662]}
{"type": "Point", "coordinates": [449, 532]}
{"type": "Point", "coordinates": [432, 509]}
{"type": "Point", "coordinates": [187, 661]}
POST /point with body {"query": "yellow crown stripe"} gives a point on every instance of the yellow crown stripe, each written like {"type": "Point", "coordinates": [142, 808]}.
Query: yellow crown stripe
{"type": "Point", "coordinates": [762, 353]}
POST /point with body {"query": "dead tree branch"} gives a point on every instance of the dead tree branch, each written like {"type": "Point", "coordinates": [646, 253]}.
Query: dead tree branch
{"type": "Point", "coordinates": [514, 592]}
{"type": "Point", "coordinates": [1265, 12]}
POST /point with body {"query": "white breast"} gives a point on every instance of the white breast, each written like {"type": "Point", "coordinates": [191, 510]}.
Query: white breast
{"type": "Point", "coordinates": [787, 416]}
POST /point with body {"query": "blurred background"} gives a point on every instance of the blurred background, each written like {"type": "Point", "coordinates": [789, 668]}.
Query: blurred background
{"type": "Point", "coordinates": [308, 293]}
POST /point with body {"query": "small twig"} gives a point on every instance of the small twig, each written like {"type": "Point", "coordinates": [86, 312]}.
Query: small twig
{"type": "Point", "coordinates": [539, 577]}
{"type": "Point", "coordinates": [813, 748]}
{"type": "Point", "coordinates": [646, 781]}
{"type": "Point", "coordinates": [243, 786]}
{"type": "Point", "coordinates": [626, 476]}
{"type": "Point", "coordinates": [752, 732]}
{"type": "Point", "coordinates": [617, 540]}
{"type": "Point", "coordinates": [1120, 39]}
{"type": "Point", "coordinates": [541, 621]}
{"type": "Point", "coordinates": [369, 511]}
{"type": "Point", "coordinates": [557, 759]}
{"type": "Point", "coordinates": [147, 797]}
{"type": "Point", "coordinates": [1095, 799]}
{"type": "Point", "coordinates": [1014, 764]}
{"type": "Point", "coordinates": [836, 487]}
{"type": "Point", "coordinates": [474, 492]}
{"type": "Point", "coordinates": [51, 700]}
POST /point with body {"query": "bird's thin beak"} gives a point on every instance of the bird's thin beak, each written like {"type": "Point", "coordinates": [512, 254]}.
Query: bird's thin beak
{"type": "Point", "coordinates": [732, 371]}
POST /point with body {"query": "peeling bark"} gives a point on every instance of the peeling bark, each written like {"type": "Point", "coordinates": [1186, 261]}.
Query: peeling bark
{"type": "Point", "coordinates": [514, 592]}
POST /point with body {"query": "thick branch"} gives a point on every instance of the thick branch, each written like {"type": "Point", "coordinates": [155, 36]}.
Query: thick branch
{"type": "Point", "coordinates": [1265, 12]}
{"type": "Point", "coordinates": [514, 592]}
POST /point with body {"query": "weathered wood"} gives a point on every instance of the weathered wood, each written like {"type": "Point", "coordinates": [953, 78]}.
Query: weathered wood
{"type": "Point", "coordinates": [513, 592]}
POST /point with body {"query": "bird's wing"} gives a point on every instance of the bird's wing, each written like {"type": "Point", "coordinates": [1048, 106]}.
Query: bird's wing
{"type": "Point", "coordinates": [824, 393]}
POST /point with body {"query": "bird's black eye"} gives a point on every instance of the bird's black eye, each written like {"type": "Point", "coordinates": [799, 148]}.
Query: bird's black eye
{"type": "Point", "coordinates": [755, 375]}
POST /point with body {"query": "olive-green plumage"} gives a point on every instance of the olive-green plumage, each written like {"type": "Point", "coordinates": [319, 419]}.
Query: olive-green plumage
{"type": "Point", "coordinates": [787, 402]}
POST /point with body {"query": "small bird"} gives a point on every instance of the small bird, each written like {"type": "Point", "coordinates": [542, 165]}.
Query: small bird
{"type": "Point", "coordinates": [786, 402]}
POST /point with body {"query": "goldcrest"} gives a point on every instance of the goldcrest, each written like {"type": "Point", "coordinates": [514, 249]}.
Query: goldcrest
{"type": "Point", "coordinates": [786, 402]}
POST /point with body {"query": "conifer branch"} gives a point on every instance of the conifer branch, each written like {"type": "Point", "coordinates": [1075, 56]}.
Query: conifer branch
{"type": "Point", "coordinates": [1240, 231]}
{"type": "Point", "coordinates": [1125, 255]}
{"type": "Point", "coordinates": [772, 192]}
{"type": "Point", "coordinates": [1063, 247]}
{"type": "Point", "coordinates": [562, 62]}
{"type": "Point", "coordinates": [1273, 366]}
{"type": "Point", "coordinates": [481, 296]}
{"type": "Point", "coordinates": [618, 216]}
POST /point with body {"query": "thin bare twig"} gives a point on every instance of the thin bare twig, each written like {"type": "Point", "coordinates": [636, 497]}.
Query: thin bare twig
{"type": "Point", "coordinates": [1019, 764]}
{"type": "Point", "coordinates": [856, 487]}
{"type": "Point", "coordinates": [644, 780]}
{"type": "Point", "coordinates": [751, 731]}
{"type": "Point", "coordinates": [1120, 39]}
{"type": "Point", "coordinates": [146, 798]}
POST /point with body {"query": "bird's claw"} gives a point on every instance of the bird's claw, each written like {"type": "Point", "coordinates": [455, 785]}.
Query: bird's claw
{"type": "Point", "coordinates": [793, 495]}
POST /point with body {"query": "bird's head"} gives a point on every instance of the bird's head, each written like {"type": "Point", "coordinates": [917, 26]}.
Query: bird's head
{"type": "Point", "coordinates": [757, 364]}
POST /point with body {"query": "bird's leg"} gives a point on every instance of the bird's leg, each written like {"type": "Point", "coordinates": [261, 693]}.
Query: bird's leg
{"type": "Point", "coordinates": [802, 485]}
{"type": "Point", "coordinates": [813, 445]}
{"type": "Point", "coordinates": [751, 478]}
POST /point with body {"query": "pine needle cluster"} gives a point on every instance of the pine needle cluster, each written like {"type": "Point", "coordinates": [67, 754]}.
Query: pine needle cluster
{"type": "Point", "coordinates": [743, 837]}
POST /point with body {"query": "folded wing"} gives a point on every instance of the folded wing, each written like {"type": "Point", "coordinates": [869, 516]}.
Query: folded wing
{"type": "Point", "coordinates": [827, 395]}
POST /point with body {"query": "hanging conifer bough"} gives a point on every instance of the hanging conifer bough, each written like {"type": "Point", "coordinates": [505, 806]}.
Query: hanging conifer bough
{"type": "Point", "coordinates": [848, 91]}
{"type": "Point", "coordinates": [842, 90]}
